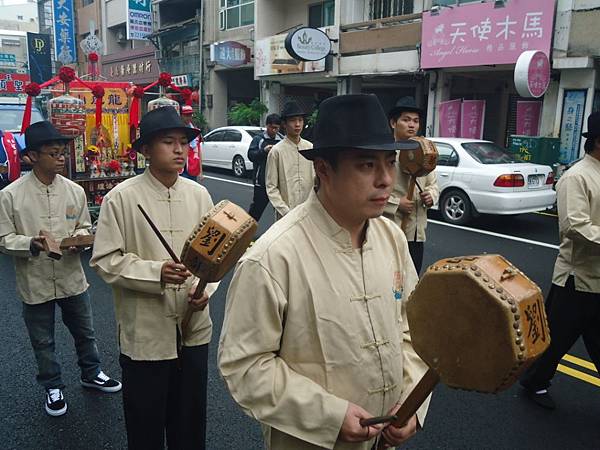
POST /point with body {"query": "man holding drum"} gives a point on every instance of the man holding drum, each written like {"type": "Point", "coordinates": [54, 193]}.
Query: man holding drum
{"type": "Point", "coordinates": [405, 120]}
{"type": "Point", "coordinates": [323, 342]}
{"type": "Point", "coordinates": [164, 371]}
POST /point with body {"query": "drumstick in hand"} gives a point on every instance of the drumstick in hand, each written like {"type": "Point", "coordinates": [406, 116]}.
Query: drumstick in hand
{"type": "Point", "coordinates": [160, 237]}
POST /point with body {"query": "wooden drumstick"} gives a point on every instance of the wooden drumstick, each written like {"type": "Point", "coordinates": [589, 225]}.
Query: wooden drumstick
{"type": "Point", "coordinates": [409, 197]}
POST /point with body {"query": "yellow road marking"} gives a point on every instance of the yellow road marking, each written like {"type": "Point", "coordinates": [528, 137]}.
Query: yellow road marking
{"type": "Point", "coordinates": [580, 375]}
{"type": "Point", "coordinates": [546, 214]}
{"type": "Point", "coordinates": [580, 362]}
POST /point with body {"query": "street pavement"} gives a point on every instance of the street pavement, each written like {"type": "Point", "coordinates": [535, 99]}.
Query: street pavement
{"type": "Point", "coordinates": [456, 419]}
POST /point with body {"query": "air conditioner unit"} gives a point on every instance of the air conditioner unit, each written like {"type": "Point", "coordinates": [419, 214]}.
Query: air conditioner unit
{"type": "Point", "coordinates": [121, 37]}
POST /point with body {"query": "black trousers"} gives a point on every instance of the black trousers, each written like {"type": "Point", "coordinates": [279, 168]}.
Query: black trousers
{"type": "Point", "coordinates": [416, 253]}
{"type": "Point", "coordinates": [260, 200]}
{"type": "Point", "coordinates": [166, 398]}
{"type": "Point", "coordinates": [570, 314]}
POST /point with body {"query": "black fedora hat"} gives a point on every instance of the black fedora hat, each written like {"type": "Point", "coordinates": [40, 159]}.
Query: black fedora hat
{"type": "Point", "coordinates": [40, 133]}
{"type": "Point", "coordinates": [404, 104]}
{"type": "Point", "coordinates": [161, 119]}
{"type": "Point", "coordinates": [291, 109]}
{"type": "Point", "coordinates": [353, 121]}
{"type": "Point", "coordinates": [593, 126]}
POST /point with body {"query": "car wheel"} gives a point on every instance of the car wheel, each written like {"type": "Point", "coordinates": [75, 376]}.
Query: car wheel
{"type": "Point", "coordinates": [239, 166]}
{"type": "Point", "coordinates": [456, 207]}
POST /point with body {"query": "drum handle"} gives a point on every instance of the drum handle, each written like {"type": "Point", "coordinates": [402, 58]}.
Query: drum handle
{"type": "Point", "coordinates": [187, 316]}
{"type": "Point", "coordinates": [409, 196]}
{"type": "Point", "coordinates": [410, 406]}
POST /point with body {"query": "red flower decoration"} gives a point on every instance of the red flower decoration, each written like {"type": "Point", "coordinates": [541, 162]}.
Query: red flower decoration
{"type": "Point", "coordinates": [138, 92]}
{"type": "Point", "coordinates": [164, 79]}
{"type": "Point", "coordinates": [66, 74]}
{"type": "Point", "coordinates": [33, 89]}
{"type": "Point", "coordinates": [93, 57]}
{"type": "Point", "coordinates": [132, 155]}
{"type": "Point", "coordinates": [98, 91]}
{"type": "Point", "coordinates": [114, 166]}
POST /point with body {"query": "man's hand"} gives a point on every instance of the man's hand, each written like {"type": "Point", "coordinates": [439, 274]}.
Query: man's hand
{"type": "Point", "coordinates": [197, 303]}
{"type": "Point", "coordinates": [268, 148]}
{"type": "Point", "coordinates": [406, 206]}
{"type": "Point", "coordinates": [395, 436]}
{"type": "Point", "coordinates": [352, 430]}
{"type": "Point", "coordinates": [173, 273]}
{"type": "Point", "coordinates": [37, 245]}
{"type": "Point", "coordinates": [427, 199]}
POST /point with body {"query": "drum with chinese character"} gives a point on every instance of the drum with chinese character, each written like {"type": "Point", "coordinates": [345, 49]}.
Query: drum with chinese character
{"type": "Point", "coordinates": [216, 244]}
{"type": "Point", "coordinates": [421, 161]}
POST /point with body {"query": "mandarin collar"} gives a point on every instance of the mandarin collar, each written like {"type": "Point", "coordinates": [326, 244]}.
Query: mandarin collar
{"type": "Point", "coordinates": [157, 185]}
{"type": "Point", "coordinates": [45, 187]}
{"type": "Point", "coordinates": [593, 161]}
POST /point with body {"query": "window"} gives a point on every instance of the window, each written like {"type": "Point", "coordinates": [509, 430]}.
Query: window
{"type": "Point", "coordinates": [378, 9]}
{"type": "Point", "coordinates": [233, 136]}
{"type": "Point", "coordinates": [452, 2]}
{"type": "Point", "coordinates": [321, 14]}
{"type": "Point", "coordinates": [488, 153]}
{"type": "Point", "coordinates": [87, 2]}
{"type": "Point", "coordinates": [235, 13]}
{"type": "Point", "coordinates": [447, 156]}
{"type": "Point", "coordinates": [19, 17]}
{"type": "Point", "coordinates": [219, 136]}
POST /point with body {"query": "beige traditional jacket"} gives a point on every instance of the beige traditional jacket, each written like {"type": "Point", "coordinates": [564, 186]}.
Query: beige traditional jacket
{"type": "Point", "coordinates": [579, 226]}
{"type": "Point", "coordinates": [417, 220]}
{"type": "Point", "coordinates": [325, 325]}
{"type": "Point", "coordinates": [128, 255]}
{"type": "Point", "coordinates": [290, 176]}
{"type": "Point", "coordinates": [28, 206]}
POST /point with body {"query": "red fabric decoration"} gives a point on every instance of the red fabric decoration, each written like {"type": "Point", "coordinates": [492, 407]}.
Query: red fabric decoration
{"type": "Point", "coordinates": [33, 89]}
{"type": "Point", "coordinates": [164, 79]}
{"type": "Point", "coordinates": [114, 166]}
{"type": "Point", "coordinates": [93, 57]}
{"type": "Point", "coordinates": [138, 92]}
{"type": "Point", "coordinates": [187, 96]}
{"type": "Point", "coordinates": [66, 74]}
{"type": "Point", "coordinates": [98, 93]}
{"type": "Point", "coordinates": [134, 110]}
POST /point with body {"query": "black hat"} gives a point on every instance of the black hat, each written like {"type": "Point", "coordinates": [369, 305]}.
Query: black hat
{"type": "Point", "coordinates": [353, 121]}
{"type": "Point", "coordinates": [405, 104]}
{"type": "Point", "coordinates": [41, 133]}
{"type": "Point", "coordinates": [161, 119]}
{"type": "Point", "coordinates": [291, 109]}
{"type": "Point", "coordinates": [593, 126]}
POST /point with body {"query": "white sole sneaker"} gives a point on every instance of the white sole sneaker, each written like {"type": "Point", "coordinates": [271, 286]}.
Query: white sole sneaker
{"type": "Point", "coordinates": [101, 388]}
{"type": "Point", "coordinates": [56, 412]}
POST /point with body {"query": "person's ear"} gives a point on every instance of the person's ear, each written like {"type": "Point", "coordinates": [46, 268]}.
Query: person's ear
{"type": "Point", "coordinates": [145, 149]}
{"type": "Point", "coordinates": [33, 156]}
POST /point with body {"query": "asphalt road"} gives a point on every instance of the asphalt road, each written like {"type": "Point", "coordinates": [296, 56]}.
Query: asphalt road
{"type": "Point", "coordinates": [456, 419]}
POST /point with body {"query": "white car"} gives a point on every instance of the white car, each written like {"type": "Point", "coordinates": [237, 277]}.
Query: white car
{"type": "Point", "coordinates": [477, 176]}
{"type": "Point", "coordinates": [227, 148]}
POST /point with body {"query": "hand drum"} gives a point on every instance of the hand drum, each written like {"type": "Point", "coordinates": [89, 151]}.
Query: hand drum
{"type": "Point", "coordinates": [421, 161]}
{"type": "Point", "coordinates": [216, 245]}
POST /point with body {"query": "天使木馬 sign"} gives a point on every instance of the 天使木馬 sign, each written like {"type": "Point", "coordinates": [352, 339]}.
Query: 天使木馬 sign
{"type": "Point", "coordinates": [532, 74]}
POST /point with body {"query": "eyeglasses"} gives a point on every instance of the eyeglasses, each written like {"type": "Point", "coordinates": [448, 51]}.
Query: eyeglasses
{"type": "Point", "coordinates": [56, 155]}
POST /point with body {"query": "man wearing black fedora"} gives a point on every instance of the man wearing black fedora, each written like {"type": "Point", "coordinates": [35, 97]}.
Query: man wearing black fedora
{"type": "Point", "coordinates": [290, 177]}
{"type": "Point", "coordinates": [573, 304]}
{"type": "Point", "coordinates": [45, 200]}
{"type": "Point", "coordinates": [164, 373]}
{"type": "Point", "coordinates": [405, 121]}
{"type": "Point", "coordinates": [323, 341]}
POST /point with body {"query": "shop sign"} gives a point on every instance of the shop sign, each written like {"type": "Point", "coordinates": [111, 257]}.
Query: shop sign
{"type": "Point", "coordinates": [13, 83]}
{"type": "Point", "coordinates": [139, 19]}
{"type": "Point", "coordinates": [181, 80]}
{"type": "Point", "coordinates": [529, 114]}
{"type": "Point", "coordinates": [532, 74]}
{"type": "Point", "coordinates": [8, 60]}
{"type": "Point", "coordinates": [64, 31]}
{"type": "Point", "coordinates": [450, 114]}
{"type": "Point", "coordinates": [39, 57]}
{"type": "Point", "coordinates": [230, 53]}
{"type": "Point", "coordinates": [572, 122]}
{"type": "Point", "coordinates": [477, 34]}
{"type": "Point", "coordinates": [472, 118]}
{"type": "Point", "coordinates": [308, 44]}
{"type": "Point", "coordinates": [271, 58]}
{"type": "Point", "coordinates": [131, 71]}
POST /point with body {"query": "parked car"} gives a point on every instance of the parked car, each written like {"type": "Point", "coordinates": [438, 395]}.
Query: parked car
{"type": "Point", "coordinates": [227, 148]}
{"type": "Point", "coordinates": [477, 176]}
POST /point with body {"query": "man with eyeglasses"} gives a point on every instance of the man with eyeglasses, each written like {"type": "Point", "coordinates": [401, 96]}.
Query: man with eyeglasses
{"type": "Point", "coordinates": [45, 200]}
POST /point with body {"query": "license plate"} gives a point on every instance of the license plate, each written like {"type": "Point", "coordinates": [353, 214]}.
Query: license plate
{"type": "Point", "coordinates": [534, 180]}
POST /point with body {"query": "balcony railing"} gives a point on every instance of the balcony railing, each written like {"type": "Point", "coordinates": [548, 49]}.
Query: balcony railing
{"type": "Point", "coordinates": [381, 35]}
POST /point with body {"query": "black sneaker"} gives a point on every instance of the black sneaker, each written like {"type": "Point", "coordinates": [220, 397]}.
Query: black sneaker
{"type": "Point", "coordinates": [541, 398]}
{"type": "Point", "coordinates": [55, 402]}
{"type": "Point", "coordinates": [102, 382]}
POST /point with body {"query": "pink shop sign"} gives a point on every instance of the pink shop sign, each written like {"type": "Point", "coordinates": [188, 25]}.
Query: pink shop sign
{"type": "Point", "coordinates": [450, 118]}
{"type": "Point", "coordinates": [528, 118]}
{"type": "Point", "coordinates": [472, 119]}
{"type": "Point", "coordinates": [478, 34]}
